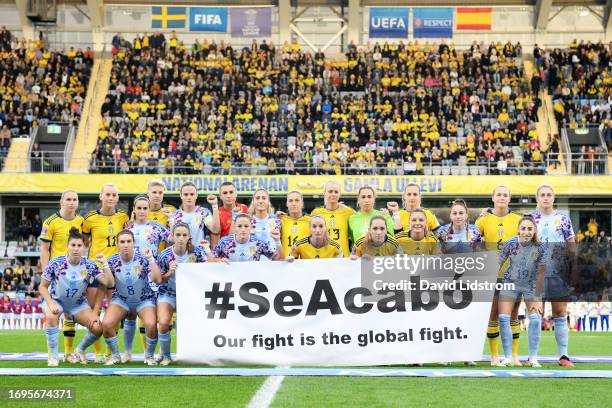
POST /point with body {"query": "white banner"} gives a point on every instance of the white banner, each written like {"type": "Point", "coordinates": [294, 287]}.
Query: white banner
{"type": "Point", "coordinates": [312, 313]}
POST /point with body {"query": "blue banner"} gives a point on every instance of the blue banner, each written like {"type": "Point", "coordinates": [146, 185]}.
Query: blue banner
{"type": "Point", "coordinates": [208, 19]}
{"type": "Point", "coordinates": [388, 22]}
{"type": "Point", "coordinates": [433, 22]}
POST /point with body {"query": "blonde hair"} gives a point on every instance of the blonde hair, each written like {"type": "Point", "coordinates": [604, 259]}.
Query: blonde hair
{"type": "Point", "coordinates": [112, 185]}
{"type": "Point", "coordinates": [66, 192]}
{"type": "Point", "coordinates": [326, 186]}
{"type": "Point", "coordinates": [419, 210]}
{"type": "Point", "coordinates": [327, 237]}
{"type": "Point", "coordinates": [252, 204]}
{"type": "Point", "coordinates": [155, 183]}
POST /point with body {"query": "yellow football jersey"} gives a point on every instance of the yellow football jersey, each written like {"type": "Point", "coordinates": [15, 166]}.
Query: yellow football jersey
{"type": "Point", "coordinates": [389, 248]}
{"type": "Point", "coordinates": [337, 224]}
{"type": "Point", "coordinates": [103, 230]}
{"type": "Point", "coordinates": [55, 230]}
{"type": "Point", "coordinates": [432, 221]}
{"type": "Point", "coordinates": [498, 230]}
{"type": "Point", "coordinates": [426, 246]}
{"type": "Point", "coordinates": [303, 249]}
{"type": "Point", "coordinates": [293, 229]}
{"type": "Point", "coordinates": [159, 217]}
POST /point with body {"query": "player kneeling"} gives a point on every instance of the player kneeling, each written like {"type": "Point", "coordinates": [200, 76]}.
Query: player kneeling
{"type": "Point", "coordinates": [522, 261]}
{"type": "Point", "coordinates": [68, 277]}
{"type": "Point", "coordinates": [132, 293]}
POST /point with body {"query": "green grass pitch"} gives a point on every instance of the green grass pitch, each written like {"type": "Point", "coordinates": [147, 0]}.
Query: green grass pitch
{"type": "Point", "coordinates": [322, 391]}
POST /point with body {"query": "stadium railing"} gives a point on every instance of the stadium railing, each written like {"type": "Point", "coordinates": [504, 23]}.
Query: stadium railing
{"type": "Point", "coordinates": [408, 168]}
{"type": "Point", "coordinates": [47, 162]}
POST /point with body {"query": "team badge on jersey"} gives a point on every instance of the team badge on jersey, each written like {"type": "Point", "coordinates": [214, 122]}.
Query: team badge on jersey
{"type": "Point", "coordinates": [137, 269]}
{"type": "Point", "coordinates": [111, 229]}
{"type": "Point", "coordinates": [198, 219]}
{"type": "Point", "coordinates": [148, 230]}
{"type": "Point", "coordinates": [252, 250]}
{"type": "Point", "coordinates": [271, 225]}
{"type": "Point", "coordinates": [332, 222]}
{"type": "Point", "coordinates": [83, 273]}
{"type": "Point", "coordinates": [191, 258]}
{"type": "Point", "coordinates": [294, 230]}
{"type": "Point", "coordinates": [500, 232]}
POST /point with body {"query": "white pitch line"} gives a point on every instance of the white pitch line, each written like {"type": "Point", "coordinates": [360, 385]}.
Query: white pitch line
{"type": "Point", "coordinates": [265, 394]}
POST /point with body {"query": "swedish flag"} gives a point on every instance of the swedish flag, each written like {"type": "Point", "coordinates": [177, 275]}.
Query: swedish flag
{"type": "Point", "coordinates": [168, 17]}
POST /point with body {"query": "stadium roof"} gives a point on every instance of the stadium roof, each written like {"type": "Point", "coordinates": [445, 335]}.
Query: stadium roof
{"type": "Point", "coordinates": [338, 2]}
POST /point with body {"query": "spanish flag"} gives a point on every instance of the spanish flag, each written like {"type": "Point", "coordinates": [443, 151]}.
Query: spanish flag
{"type": "Point", "coordinates": [474, 18]}
{"type": "Point", "coordinates": [168, 17]}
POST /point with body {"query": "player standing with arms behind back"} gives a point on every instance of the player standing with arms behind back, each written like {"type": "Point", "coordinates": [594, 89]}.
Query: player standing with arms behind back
{"type": "Point", "coordinates": [496, 227]}
{"type": "Point", "coordinates": [556, 232]}
{"type": "Point", "coordinates": [102, 226]}
{"type": "Point", "coordinates": [54, 243]}
{"type": "Point", "coordinates": [295, 225]}
{"type": "Point", "coordinates": [201, 221]}
{"type": "Point", "coordinates": [336, 215]}
{"type": "Point", "coordinates": [159, 211]}
{"type": "Point", "coordinates": [359, 223]}
{"type": "Point", "coordinates": [264, 218]}
{"type": "Point", "coordinates": [230, 208]}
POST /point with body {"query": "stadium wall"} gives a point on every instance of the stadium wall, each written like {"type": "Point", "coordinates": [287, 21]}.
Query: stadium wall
{"type": "Point", "coordinates": [514, 23]}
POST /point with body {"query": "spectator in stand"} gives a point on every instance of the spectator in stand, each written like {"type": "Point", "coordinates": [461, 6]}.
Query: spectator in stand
{"type": "Point", "coordinates": [216, 109]}
{"type": "Point", "coordinates": [40, 85]}
{"type": "Point", "coordinates": [25, 230]}
{"type": "Point", "coordinates": [5, 39]}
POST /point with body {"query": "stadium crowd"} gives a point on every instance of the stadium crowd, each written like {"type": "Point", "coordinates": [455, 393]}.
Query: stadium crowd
{"type": "Point", "coordinates": [39, 85]}
{"type": "Point", "coordinates": [271, 108]}
{"type": "Point", "coordinates": [579, 79]}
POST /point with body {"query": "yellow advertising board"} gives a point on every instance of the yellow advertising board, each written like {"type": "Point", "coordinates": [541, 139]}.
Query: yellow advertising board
{"type": "Point", "coordinates": [455, 186]}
